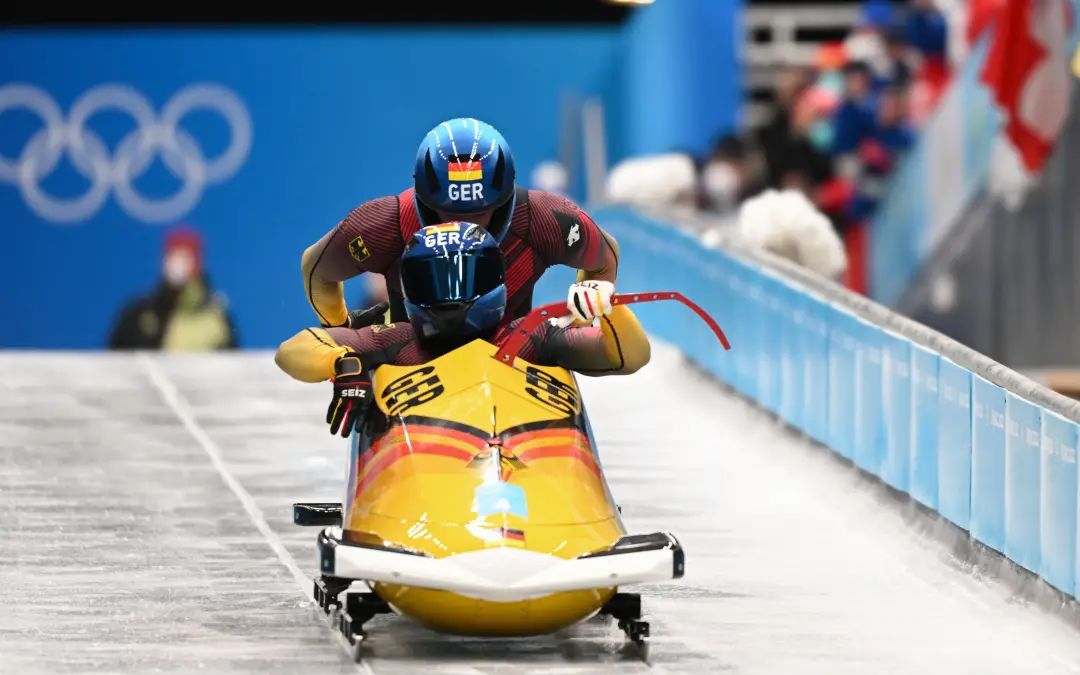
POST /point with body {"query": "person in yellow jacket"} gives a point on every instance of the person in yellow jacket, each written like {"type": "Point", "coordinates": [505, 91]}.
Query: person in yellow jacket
{"type": "Point", "coordinates": [183, 313]}
{"type": "Point", "coordinates": [453, 282]}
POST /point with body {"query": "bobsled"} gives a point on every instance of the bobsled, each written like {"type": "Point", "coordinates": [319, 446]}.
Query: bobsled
{"type": "Point", "coordinates": [476, 503]}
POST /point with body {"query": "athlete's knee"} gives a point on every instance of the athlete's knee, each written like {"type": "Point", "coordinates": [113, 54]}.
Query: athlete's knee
{"type": "Point", "coordinates": [286, 355]}
{"type": "Point", "coordinates": [304, 356]}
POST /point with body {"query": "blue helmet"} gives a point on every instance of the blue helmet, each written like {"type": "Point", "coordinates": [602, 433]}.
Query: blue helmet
{"type": "Point", "coordinates": [463, 167]}
{"type": "Point", "coordinates": [453, 279]}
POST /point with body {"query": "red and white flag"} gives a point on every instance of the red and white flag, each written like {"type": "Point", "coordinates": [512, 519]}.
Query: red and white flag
{"type": "Point", "coordinates": [1027, 70]}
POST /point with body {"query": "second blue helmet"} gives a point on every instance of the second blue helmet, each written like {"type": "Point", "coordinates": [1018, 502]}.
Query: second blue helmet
{"type": "Point", "coordinates": [454, 281]}
{"type": "Point", "coordinates": [464, 167]}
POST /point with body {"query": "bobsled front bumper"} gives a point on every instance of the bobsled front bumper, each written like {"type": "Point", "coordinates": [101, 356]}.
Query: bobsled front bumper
{"type": "Point", "coordinates": [505, 574]}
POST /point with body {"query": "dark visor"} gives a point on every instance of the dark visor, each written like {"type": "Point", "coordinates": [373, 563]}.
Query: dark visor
{"type": "Point", "coordinates": [459, 277]}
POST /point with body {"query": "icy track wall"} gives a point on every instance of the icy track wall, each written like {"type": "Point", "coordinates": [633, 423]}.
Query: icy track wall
{"type": "Point", "coordinates": [988, 449]}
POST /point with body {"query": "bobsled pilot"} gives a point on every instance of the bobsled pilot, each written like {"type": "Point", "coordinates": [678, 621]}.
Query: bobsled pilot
{"type": "Point", "coordinates": [454, 287]}
{"type": "Point", "coordinates": [464, 172]}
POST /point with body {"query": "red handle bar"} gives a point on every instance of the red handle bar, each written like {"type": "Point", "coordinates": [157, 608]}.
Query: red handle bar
{"type": "Point", "coordinates": [512, 347]}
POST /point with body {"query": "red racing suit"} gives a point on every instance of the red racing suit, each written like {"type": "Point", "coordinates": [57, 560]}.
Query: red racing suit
{"type": "Point", "coordinates": [545, 230]}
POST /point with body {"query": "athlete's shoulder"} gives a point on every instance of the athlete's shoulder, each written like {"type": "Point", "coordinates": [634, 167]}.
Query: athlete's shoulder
{"type": "Point", "coordinates": [557, 225]}
{"type": "Point", "coordinates": [372, 230]}
{"type": "Point", "coordinates": [378, 208]}
{"type": "Point", "coordinates": [544, 201]}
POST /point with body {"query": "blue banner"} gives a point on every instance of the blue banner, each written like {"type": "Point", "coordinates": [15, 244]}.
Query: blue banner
{"type": "Point", "coordinates": [1023, 440]}
{"type": "Point", "coordinates": [745, 328]}
{"type": "Point", "coordinates": [1057, 522]}
{"type": "Point", "coordinates": [816, 383]}
{"type": "Point", "coordinates": [896, 404]}
{"type": "Point", "coordinates": [842, 379]}
{"type": "Point", "coordinates": [954, 442]}
{"type": "Point", "coordinates": [924, 426]}
{"type": "Point", "coordinates": [988, 464]}
{"type": "Point", "coordinates": [869, 426]}
{"type": "Point", "coordinates": [770, 335]}
{"type": "Point", "coordinates": [793, 357]}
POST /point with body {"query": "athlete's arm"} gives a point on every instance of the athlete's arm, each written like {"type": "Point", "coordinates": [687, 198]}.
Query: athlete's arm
{"type": "Point", "coordinates": [566, 235]}
{"type": "Point", "coordinates": [617, 345]}
{"type": "Point", "coordinates": [367, 240]}
{"type": "Point", "coordinates": [310, 355]}
{"type": "Point", "coordinates": [609, 265]}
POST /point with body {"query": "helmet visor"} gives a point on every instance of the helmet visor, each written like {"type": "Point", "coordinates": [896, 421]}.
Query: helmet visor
{"type": "Point", "coordinates": [459, 277]}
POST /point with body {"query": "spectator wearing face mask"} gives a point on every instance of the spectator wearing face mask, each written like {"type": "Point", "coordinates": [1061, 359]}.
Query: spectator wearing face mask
{"type": "Point", "coordinates": [730, 175]}
{"type": "Point", "coordinates": [182, 313]}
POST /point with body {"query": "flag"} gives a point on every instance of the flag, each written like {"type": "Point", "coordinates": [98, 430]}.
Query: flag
{"type": "Point", "coordinates": [1027, 72]}
{"type": "Point", "coordinates": [468, 170]}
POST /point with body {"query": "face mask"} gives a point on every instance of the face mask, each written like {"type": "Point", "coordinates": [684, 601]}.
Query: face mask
{"type": "Point", "coordinates": [179, 267]}
{"type": "Point", "coordinates": [720, 181]}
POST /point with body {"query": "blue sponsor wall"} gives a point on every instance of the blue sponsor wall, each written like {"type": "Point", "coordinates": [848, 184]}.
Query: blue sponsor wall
{"type": "Point", "coordinates": [335, 118]}
{"type": "Point", "coordinates": [987, 460]}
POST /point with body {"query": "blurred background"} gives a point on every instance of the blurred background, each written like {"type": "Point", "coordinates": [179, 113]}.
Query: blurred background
{"type": "Point", "coordinates": [161, 174]}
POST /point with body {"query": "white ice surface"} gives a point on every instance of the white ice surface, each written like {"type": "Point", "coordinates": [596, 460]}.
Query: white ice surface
{"type": "Point", "coordinates": [124, 547]}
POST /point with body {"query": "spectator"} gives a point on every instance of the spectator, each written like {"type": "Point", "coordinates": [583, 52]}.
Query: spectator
{"type": "Point", "coordinates": [806, 164]}
{"type": "Point", "coordinates": [893, 131]}
{"type": "Point", "coordinates": [927, 30]}
{"type": "Point", "coordinates": [867, 43]}
{"type": "Point", "coordinates": [730, 175]}
{"type": "Point", "coordinates": [854, 119]}
{"type": "Point", "coordinates": [182, 313]}
{"type": "Point", "coordinates": [794, 142]}
{"type": "Point", "coordinates": [775, 137]}
{"type": "Point", "coordinates": [900, 70]}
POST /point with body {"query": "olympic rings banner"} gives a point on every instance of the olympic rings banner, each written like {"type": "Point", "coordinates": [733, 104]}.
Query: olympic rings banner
{"type": "Point", "coordinates": [259, 140]}
{"type": "Point", "coordinates": [116, 172]}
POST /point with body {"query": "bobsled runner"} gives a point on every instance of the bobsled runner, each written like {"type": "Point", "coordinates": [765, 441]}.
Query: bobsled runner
{"type": "Point", "coordinates": [476, 503]}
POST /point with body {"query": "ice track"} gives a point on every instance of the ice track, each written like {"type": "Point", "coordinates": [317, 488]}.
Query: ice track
{"type": "Point", "coordinates": [145, 526]}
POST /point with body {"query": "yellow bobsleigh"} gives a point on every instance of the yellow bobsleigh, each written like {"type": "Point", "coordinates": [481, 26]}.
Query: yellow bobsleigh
{"type": "Point", "coordinates": [477, 505]}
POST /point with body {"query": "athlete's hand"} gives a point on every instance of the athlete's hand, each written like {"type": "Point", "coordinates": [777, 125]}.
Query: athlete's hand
{"type": "Point", "coordinates": [352, 395]}
{"type": "Point", "coordinates": [588, 300]}
{"type": "Point", "coordinates": [359, 318]}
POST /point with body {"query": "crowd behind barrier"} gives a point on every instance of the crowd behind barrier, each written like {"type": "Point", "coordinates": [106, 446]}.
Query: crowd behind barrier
{"type": "Point", "coordinates": [836, 127]}
{"type": "Point", "coordinates": [988, 449]}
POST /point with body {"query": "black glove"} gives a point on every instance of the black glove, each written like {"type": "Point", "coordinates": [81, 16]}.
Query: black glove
{"type": "Point", "coordinates": [352, 395]}
{"type": "Point", "coordinates": [358, 318]}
